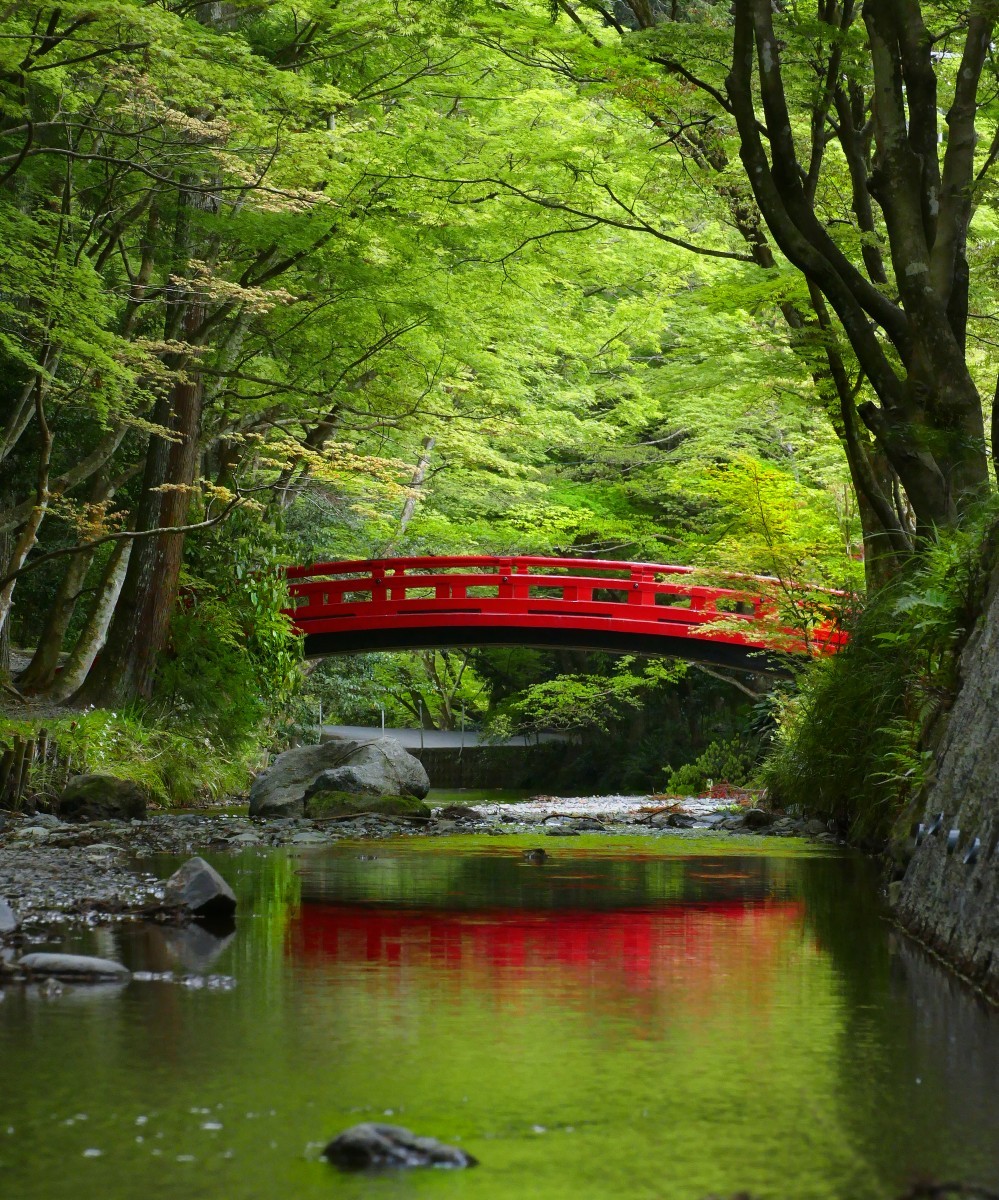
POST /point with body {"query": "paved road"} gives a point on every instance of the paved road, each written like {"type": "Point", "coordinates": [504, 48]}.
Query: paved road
{"type": "Point", "coordinates": [437, 739]}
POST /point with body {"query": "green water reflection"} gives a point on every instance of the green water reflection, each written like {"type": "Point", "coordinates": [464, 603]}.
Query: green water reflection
{"type": "Point", "coordinates": [656, 1019]}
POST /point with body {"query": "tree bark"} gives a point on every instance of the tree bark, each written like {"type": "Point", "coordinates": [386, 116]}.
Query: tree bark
{"type": "Point", "coordinates": [928, 418]}
{"type": "Point", "coordinates": [29, 532]}
{"type": "Point", "coordinates": [41, 671]}
{"type": "Point", "coordinates": [94, 633]}
{"type": "Point", "coordinates": [415, 486]}
{"type": "Point", "coordinates": [140, 626]}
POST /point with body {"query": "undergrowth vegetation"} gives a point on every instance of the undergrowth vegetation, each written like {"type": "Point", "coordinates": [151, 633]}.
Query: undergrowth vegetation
{"type": "Point", "coordinates": [733, 761]}
{"type": "Point", "coordinates": [177, 761]}
{"type": "Point", "coordinates": [854, 739]}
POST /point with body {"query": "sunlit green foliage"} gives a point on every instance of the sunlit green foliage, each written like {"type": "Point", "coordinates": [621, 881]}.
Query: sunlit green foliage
{"type": "Point", "coordinates": [354, 228]}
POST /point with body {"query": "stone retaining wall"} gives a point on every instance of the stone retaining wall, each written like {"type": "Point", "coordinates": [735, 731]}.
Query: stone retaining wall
{"type": "Point", "coordinates": [530, 767]}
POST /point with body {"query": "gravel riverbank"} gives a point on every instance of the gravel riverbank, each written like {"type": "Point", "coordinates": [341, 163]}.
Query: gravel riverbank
{"type": "Point", "coordinates": [52, 871]}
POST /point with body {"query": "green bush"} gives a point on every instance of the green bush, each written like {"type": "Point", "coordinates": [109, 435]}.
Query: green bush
{"type": "Point", "coordinates": [732, 761]}
{"type": "Point", "coordinates": [234, 665]}
{"type": "Point", "coordinates": [851, 742]}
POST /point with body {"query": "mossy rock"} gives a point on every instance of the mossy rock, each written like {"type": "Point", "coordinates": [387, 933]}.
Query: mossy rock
{"type": "Point", "coordinates": [341, 804]}
{"type": "Point", "coordinates": [103, 797]}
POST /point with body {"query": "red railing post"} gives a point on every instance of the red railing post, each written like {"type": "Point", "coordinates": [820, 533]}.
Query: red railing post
{"type": "Point", "coordinates": [641, 590]}
{"type": "Point", "coordinates": [504, 568]}
{"type": "Point", "coordinates": [379, 593]}
{"type": "Point", "coordinates": [392, 593]}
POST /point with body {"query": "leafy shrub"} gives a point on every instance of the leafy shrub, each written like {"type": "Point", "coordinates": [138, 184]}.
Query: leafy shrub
{"type": "Point", "coordinates": [731, 761]}
{"type": "Point", "coordinates": [851, 742]}
{"type": "Point", "coordinates": [234, 663]}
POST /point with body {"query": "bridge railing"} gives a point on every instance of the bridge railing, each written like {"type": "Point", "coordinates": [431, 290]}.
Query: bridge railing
{"type": "Point", "coordinates": [753, 609]}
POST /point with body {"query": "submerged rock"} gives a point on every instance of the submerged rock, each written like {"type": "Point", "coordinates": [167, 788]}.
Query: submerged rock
{"type": "Point", "coordinates": [102, 797]}
{"type": "Point", "coordinates": [378, 767]}
{"type": "Point", "coordinates": [367, 1146]}
{"type": "Point", "coordinates": [198, 886]}
{"type": "Point", "coordinates": [193, 946]}
{"type": "Point", "coordinates": [76, 967]}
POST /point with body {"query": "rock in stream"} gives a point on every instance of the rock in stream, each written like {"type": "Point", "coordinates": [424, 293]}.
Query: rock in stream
{"type": "Point", "coordinates": [370, 1146]}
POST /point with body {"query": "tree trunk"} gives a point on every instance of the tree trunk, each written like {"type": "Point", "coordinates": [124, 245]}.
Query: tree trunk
{"type": "Point", "coordinates": [415, 486]}
{"type": "Point", "coordinates": [928, 418]}
{"type": "Point", "coordinates": [94, 633]}
{"type": "Point", "coordinates": [41, 671]}
{"type": "Point", "coordinates": [5, 630]}
{"type": "Point", "coordinates": [29, 532]}
{"type": "Point", "coordinates": [141, 622]}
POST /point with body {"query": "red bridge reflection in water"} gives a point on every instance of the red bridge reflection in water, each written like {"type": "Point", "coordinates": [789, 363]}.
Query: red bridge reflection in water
{"type": "Point", "coordinates": [685, 946]}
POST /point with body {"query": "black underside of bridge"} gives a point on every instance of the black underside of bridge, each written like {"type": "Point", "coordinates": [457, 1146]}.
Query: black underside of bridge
{"type": "Point", "coordinates": [721, 654]}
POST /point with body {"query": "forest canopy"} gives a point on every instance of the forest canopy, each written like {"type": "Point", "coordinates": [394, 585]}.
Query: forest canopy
{"type": "Point", "coordinates": [281, 281]}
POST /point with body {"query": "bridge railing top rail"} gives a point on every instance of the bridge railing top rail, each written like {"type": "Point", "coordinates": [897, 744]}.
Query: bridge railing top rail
{"type": "Point", "coordinates": [528, 564]}
{"type": "Point", "coordinates": [496, 562]}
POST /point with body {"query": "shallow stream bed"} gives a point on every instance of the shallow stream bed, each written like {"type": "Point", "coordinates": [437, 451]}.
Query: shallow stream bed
{"type": "Point", "coordinates": [635, 1018]}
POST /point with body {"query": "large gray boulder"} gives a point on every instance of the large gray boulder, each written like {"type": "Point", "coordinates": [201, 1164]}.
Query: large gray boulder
{"type": "Point", "coordinates": [102, 797]}
{"type": "Point", "coordinates": [374, 767]}
{"type": "Point", "coordinates": [372, 1146]}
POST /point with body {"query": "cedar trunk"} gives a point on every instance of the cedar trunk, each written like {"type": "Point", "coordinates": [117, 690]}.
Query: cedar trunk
{"type": "Point", "coordinates": [139, 630]}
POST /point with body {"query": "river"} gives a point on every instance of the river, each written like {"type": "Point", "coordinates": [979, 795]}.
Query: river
{"type": "Point", "coordinates": [637, 1017]}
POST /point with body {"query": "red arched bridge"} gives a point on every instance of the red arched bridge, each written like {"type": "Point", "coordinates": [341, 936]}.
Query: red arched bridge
{"type": "Point", "coordinates": [741, 621]}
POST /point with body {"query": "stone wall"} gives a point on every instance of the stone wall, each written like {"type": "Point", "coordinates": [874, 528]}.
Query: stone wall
{"type": "Point", "coordinates": [519, 767]}
{"type": "Point", "coordinates": [949, 896]}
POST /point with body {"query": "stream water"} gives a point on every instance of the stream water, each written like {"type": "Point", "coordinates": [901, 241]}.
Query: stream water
{"type": "Point", "coordinates": [662, 1018]}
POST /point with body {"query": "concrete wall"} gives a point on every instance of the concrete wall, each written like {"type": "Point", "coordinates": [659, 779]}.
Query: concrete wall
{"type": "Point", "coordinates": [530, 767]}
{"type": "Point", "coordinates": [950, 904]}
